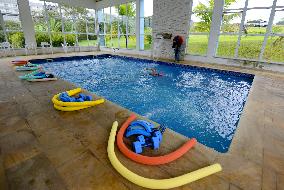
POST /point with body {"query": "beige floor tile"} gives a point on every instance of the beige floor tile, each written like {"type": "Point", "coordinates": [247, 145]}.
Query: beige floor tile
{"type": "Point", "coordinates": [269, 179]}
{"type": "Point", "coordinates": [241, 172]}
{"type": "Point", "coordinates": [86, 172]}
{"type": "Point", "coordinates": [280, 182]}
{"type": "Point", "coordinates": [18, 147]}
{"type": "Point", "coordinates": [60, 145]}
{"type": "Point", "coordinates": [34, 174]}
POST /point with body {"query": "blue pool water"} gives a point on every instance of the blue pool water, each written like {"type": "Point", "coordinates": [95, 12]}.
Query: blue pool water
{"type": "Point", "coordinates": [201, 103]}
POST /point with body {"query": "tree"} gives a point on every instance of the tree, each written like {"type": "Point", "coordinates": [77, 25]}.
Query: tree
{"type": "Point", "coordinates": [204, 12]}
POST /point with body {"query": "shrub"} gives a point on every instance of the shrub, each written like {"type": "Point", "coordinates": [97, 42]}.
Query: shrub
{"type": "Point", "coordinates": [92, 37]}
{"type": "Point", "coordinates": [57, 39]}
{"type": "Point", "coordinates": [41, 37]}
{"type": "Point", "coordinates": [2, 37]}
{"type": "Point", "coordinates": [82, 37]}
{"type": "Point", "coordinates": [70, 39]}
{"type": "Point", "coordinates": [277, 29]}
{"type": "Point", "coordinates": [17, 39]}
{"type": "Point", "coordinates": [148, 39]}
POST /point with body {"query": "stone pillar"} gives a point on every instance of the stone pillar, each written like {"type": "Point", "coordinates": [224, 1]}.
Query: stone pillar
{"type": "Point", "coordinates": [170, 17]}
{"type": "Point", "coordinates": [100, 34]}
{"type": "Point", "coordinates": [26, 21]}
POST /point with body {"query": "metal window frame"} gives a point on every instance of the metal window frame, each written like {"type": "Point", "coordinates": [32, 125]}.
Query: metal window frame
{"type": "Point", "coordinates": [48, 25]}
{"type": "Point", "coordinates": [241, 29]}
{"type": "Point", "coordinates": [268, 30]}
{"type": "Point", "coordinates": [244, 10]}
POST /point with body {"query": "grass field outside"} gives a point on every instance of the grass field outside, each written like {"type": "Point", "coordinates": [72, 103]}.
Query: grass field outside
{"type": "Point", "coordinates": [250, 47]}
{"type": "Point", "coordinates": [116, 43]}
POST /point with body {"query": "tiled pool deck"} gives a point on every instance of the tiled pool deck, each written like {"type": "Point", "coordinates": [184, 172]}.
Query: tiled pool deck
{"type": "Point", "coordinates": [42, 148]}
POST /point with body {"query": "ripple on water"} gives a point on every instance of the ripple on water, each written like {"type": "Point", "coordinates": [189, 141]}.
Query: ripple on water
{"type": "Point", "coordinates": [196, 103]}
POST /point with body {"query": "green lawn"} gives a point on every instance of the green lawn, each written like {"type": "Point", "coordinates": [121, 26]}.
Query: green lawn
{"type": "Point", "coordinates": [115, 42]}
{"type": "Point", "coordinates": [250, 47]}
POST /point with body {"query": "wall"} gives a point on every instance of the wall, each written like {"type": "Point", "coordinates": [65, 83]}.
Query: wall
{"type": "Point", "coordinates": [171, 17]}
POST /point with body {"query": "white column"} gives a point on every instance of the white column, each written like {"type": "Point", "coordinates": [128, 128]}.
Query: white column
{"type": "Point", "coordinates": [140, 24]}
{"type": "Point", "coordinates": [215, 27]}
{"type": "Point", "coordinates": [26, 21]}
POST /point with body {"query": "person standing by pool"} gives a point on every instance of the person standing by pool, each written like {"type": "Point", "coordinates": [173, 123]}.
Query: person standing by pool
{"type": "Point", "coordinates": [177, 42]}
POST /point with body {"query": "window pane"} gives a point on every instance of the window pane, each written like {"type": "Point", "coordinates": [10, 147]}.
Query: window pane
{"type": "Point", "coordinates": [67, 12]}
{"type": "Point", "coordinates": [147, 42]}
{"type": "Point", "coordinates": [278, 23]}
{"type": "Point", "coordinates": [122, 25]}
{"type": "Point", "coordinates": [55, 24]}
{"type": "Point", "coordinates": [107, 20]}
{"type": "Point", "coordinates": [227, 45]}
{"type": "Point", "coordinates": [81, 26]}
{"type": "Point", "coordinates": [108, 28]}
{"type": "Point", "coordinates": [237, 4]}
{"type": "Point", "coordinates": [197, 44]}
{"type": "Point", "coordinates": [131, 25]}
{"type": "Point", "coordinates": [131, 13]}
{"type": "Point", "coordinates": [12, 22]}
{"type": "Point", "coordinates": [197, 24]}
{"type": "Point", "coordinates": [82, 40]}
{"type": "Point", "coordinates": [38, 15]}
{"type": "Point", "coordinates": [148, 14]}
{"type": "Point", "coordinates": [16, 39]}
{"type": "Point", "coordinates": [2, 36]}
{"type": "Point", "coordinates": [274, 50]}
{"type": "Point", "coordinates": [257, 3]}
{"type": "Point", "coordinates": [92, 40]}
{"type": "Point", "coordinates": [197, 3]}
{"type": "Point", "coordinates": [250, 47]}
{"type": "Point", "coordinates": [9, 6]}
{"type": "Point", "coordinates": [115, 41]}
{"type": "Point", "coordinates": [101, 27]}
{"type": "Point", "coordinates": [280, 3]}
{"type": "Point", "coordinates": [102, 40]}
{"type": "Point", "coordinates": [52, 9]}
{"type": "Point", "coordinates": [42, 37]}
{"type": "Point", "coordinates": [257, 21]}
{"type": "Point", "coordinates": [91, 27]}
{"type": "Point", "coordinates": [107, 41]}
{"type": "Point", "coordinates": [122, 41]}
{"type": "Point", "coordinates": [201, 18]}
{"type": "Point", "coordinates": [231, 22]}
{"type": "Point", "coordinates": [69, 26]}
{"type": "Point", "coordinates": [70, 39]}
{"type": "Point", "coordinates": [131, 42]}
{"type": "Point", "coordinates": [40, 24]}
{"type": "Point", "coordinates": [57, 39]}
{"type": "Point", "coordinates": [91, 14]}
{"type": "Point", "coordinates": [114, 20]}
